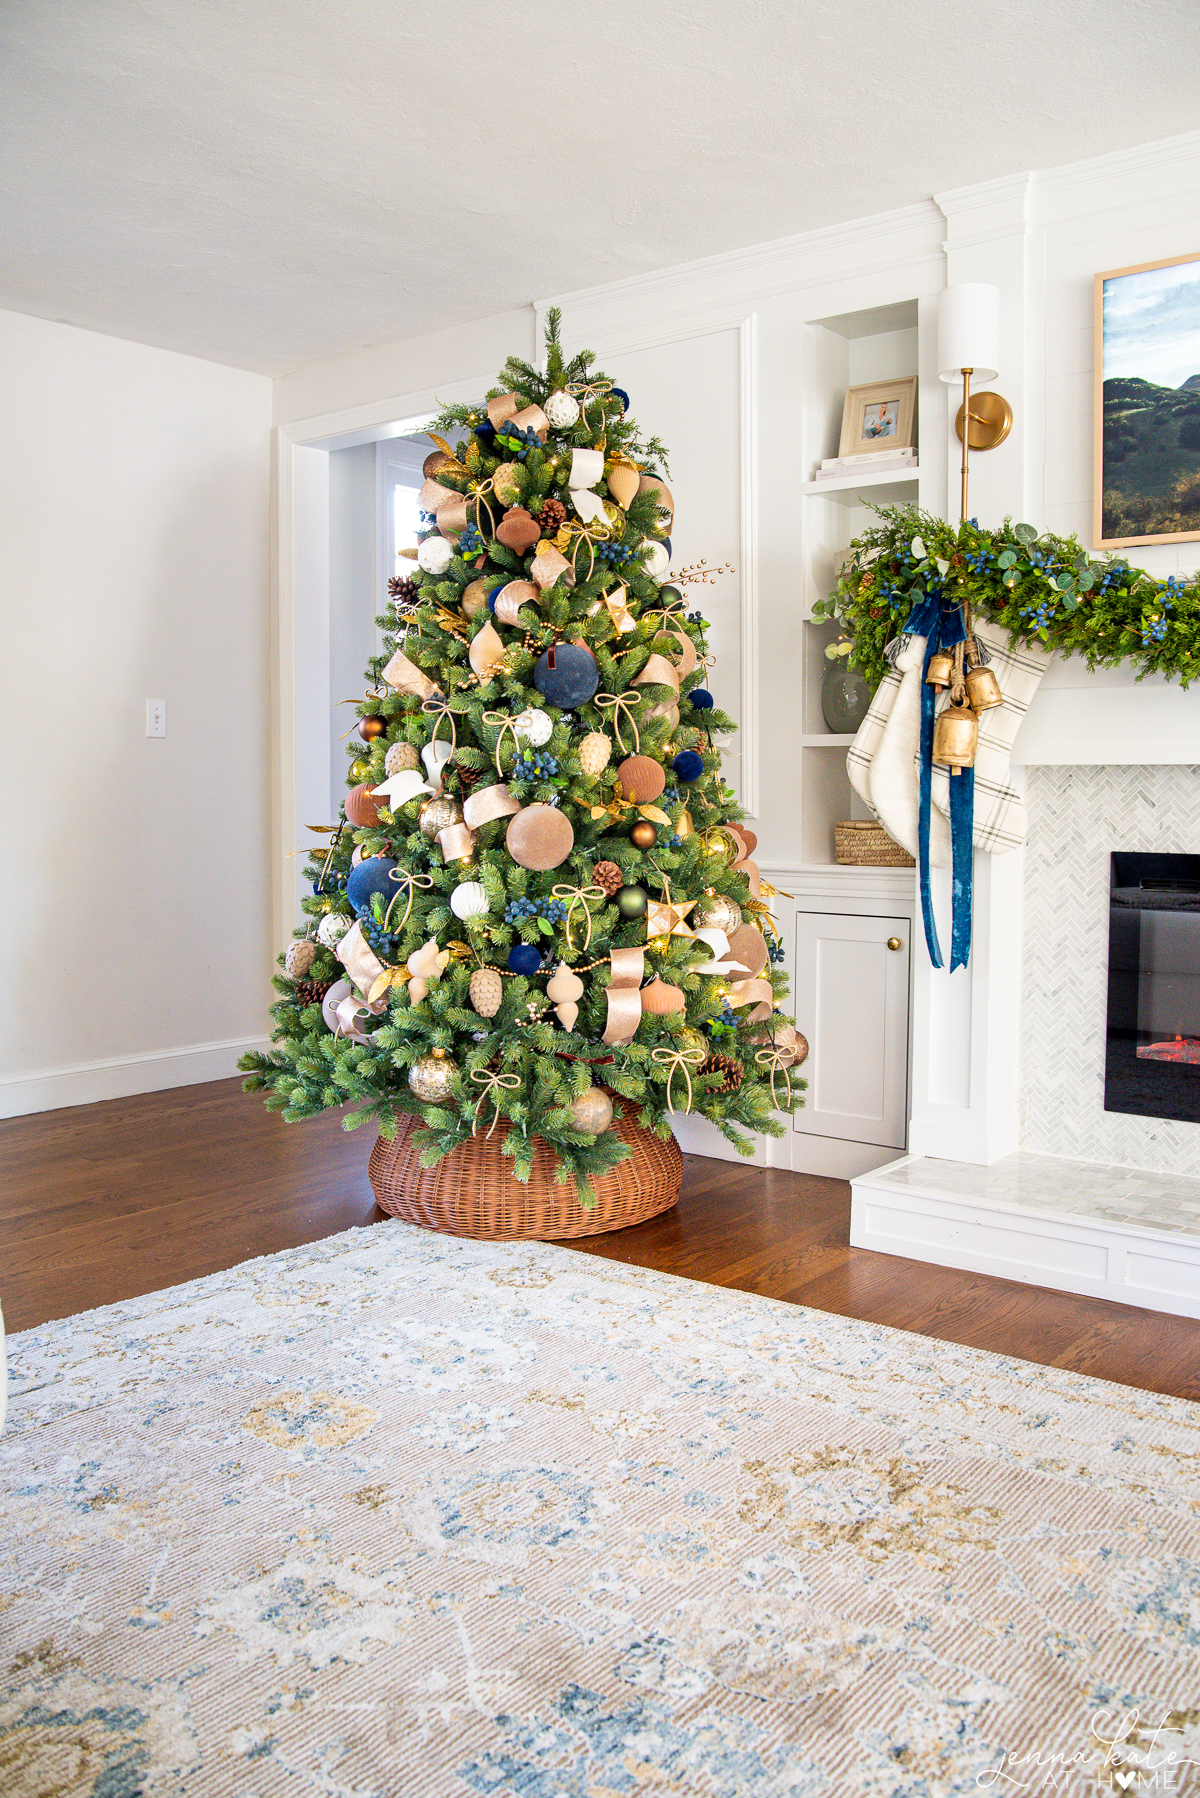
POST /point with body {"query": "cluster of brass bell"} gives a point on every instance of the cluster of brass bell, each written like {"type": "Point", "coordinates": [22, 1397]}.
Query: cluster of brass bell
{"type": "Point", "coordinates": [973, 689]}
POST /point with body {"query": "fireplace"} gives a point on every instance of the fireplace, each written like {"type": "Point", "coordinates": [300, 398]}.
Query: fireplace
{"type": "Point", "coordinates": [1152, 1062]}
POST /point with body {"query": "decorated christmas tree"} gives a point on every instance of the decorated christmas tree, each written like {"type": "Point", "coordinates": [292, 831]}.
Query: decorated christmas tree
{"type": "Point", "coordinates": [538, 898]}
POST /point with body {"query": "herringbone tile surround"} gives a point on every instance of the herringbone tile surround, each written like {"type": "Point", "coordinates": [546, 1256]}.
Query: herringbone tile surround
{"type": "Point", "coordinates": [1077, 817]}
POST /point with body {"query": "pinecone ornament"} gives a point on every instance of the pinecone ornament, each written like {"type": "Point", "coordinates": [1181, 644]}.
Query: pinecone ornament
{"type": "Point", "coordinates": [594, 752]}
{"type": "Point", "coordinates": [486, 991]}
{"type": "Point", "coordinates": [608, 877]}
{"type": "Point", "coordinates": [404, 590]}
{"type": "Point", "coordinates": [311, 992]}
{"type": "Point", "coordinates": [399, 757]}
{"type": "Point", "coordinates": [552, 516]}
{"type": "Point", "coordinates": [724, 1064]}
{"type": "Point", "coordinates": [299, 958]}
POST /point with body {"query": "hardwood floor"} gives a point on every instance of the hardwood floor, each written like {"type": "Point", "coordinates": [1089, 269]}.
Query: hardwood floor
{"type": "Point", "coordinates": [108, 1201]}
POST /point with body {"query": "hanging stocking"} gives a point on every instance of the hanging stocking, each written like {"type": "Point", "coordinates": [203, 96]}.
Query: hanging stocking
{"type": "Point", "coordinates": [894, 788]}
{"type": "Point", "coordinates": [999, 809]}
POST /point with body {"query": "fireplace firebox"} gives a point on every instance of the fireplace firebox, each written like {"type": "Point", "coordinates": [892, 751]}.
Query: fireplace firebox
{"type": "Point", "coordinates": [1152, 1064]}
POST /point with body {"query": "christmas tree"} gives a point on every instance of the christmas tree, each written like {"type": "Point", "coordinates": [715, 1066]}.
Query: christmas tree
{"type": "Point", "coordinates": [538, 896]}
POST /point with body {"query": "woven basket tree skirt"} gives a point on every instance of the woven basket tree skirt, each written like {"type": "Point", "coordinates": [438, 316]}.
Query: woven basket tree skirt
{"type": "Point", "coordinates": [474, 1192]}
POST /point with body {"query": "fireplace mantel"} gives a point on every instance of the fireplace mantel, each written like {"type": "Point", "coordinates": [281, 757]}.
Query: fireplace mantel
{"type": "Point", "coordinates": [1108, 719]}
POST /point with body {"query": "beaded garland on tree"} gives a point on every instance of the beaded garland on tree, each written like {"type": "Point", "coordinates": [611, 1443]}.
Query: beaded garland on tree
{"type": "Point", "coordinates": [573, 798]}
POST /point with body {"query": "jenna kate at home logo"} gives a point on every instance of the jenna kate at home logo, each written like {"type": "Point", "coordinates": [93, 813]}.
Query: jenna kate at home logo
{"type": "Point", "coordinates": [1126, 1752]}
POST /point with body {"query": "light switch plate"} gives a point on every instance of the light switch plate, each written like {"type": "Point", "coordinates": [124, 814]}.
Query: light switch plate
{"type": "Point", "coordinates": [156, 717]}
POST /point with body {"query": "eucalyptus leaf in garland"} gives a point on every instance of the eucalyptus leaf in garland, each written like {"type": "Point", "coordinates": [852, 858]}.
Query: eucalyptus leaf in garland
{"type": "Point", "coordinates": [1042, 589]}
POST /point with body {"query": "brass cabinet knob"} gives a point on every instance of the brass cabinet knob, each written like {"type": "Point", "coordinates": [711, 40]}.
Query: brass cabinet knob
{"type": "Point", "coordinates": [894, 942]}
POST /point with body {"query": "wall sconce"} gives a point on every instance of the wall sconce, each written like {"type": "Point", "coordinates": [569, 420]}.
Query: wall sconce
{"type": "Point", "coordinates": [969, 344]}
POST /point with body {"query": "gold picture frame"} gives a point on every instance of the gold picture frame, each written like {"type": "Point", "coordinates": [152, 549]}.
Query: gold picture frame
{"type": "Point", "coordinates": [1145, 334]}
{"type": "Point", "coordinates": [878, 418]}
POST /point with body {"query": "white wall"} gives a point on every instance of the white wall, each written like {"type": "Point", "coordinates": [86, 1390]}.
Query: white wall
{"type": "Point", "coordinates": [134, 511]}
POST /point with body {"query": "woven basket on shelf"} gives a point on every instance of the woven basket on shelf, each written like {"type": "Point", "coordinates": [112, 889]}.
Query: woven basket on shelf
{"type": "Point", "coordinates": [474, 1192]}
{"type": "Point", "coordinates": [865, 844]}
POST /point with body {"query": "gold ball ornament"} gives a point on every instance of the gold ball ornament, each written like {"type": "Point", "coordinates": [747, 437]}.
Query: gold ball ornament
{"type": "Point", "coordinates": [360, 767]}
{"type": "Point", "coordinates": [719, 843]}
{"type": "Point", "coordinates": [693, 1040]}
{"type": "Point", "coordinates": [717, 912]}
{"type": "Point", "coordinates": [486, 990]}
{"type": "Point", "coordinates": [592, 1111]}
{"type": "Point", "coordinates": [474, 599]}
{"type": "Point", "coordinates": [432, 1077]}
{"type": "Point", "coordinates": [438, 814]}
{"type": "Point", "coordinates": [507, 484]}
{"type": "Point", "coordinates": [400, 758]}
{"type": "Point", "coordinates": [299, 958]}
{"type": "Point", "coordinates": [643, 834]}
{"type": "Point", "coordinates": [595, 752]}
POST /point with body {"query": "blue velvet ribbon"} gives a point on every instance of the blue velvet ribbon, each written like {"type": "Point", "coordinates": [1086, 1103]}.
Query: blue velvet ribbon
{"type": "Point", "coordinates": [940, 622]}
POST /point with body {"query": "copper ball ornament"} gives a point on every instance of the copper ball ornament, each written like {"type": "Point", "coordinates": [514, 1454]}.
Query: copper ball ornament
{"type": "Point", "coordinates": [592, 1111]}
{"type": "Point", "coordinates": [432, 1077]}
{"type": "Point", "coordinates": [438, 814]}
{"type": "Point", "coordinates": [361, 808]}
{"type": "Point", "coordinates": [540, 837]}
{"type": "Point", "coordinates": [643, 835]}
{"type": "Point", "coordinates": [371, 727]}
{"type": "Point", "coordinates": [641, 779]}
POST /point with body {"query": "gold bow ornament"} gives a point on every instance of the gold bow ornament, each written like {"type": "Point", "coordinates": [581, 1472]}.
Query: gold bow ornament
{"type": "Point", "coordinates": [493, 1085]}
{"type": "Point", "coordinates": [578, 896]}
{"type": "Point", "coordinates": [679, 1061]}
{"type": "Point", "coordinates": [406, 885]}
{"type": "Point", "coordinates": [779, 1061]}
{"type": "Point", "coordinates": [621, 705]}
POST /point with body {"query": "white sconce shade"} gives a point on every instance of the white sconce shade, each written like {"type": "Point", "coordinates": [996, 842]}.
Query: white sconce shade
{"type": "Point", "coordinates": [969, 331]}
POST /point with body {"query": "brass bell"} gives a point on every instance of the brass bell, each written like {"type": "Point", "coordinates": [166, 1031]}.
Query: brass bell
{"type": "Point", "coordinates": [940, 669]}
{"type": "Point", "coordinates": [983, 689]}
{"type": "Point", "coordinates": [955, 737]}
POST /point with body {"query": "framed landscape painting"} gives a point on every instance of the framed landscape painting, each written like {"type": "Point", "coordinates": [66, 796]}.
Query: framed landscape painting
{"type": "Point", "coordinates": [1147, 430]}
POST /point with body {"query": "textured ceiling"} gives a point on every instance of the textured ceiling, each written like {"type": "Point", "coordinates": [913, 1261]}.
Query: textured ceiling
{"type": "Point", "coordinates": [273, 184]}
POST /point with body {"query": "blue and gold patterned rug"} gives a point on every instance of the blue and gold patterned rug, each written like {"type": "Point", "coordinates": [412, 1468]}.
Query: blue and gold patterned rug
{"type": "Point", "coordinates": [399, 1515]}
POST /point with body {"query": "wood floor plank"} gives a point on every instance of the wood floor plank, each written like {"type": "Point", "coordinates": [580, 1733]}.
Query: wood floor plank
{"type": "Point", "coordinates": [110, 1201]}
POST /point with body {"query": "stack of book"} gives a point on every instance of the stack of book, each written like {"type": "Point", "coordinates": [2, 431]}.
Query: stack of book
{"type": "Point", "coordinates": [872, 462]}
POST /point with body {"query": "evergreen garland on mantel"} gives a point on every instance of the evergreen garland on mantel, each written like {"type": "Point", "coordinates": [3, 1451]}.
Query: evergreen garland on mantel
{"type": "Point", "coordinates": [1041, 589]}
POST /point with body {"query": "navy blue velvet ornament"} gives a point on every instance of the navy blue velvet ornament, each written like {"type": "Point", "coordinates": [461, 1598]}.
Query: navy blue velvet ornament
{"type": "Point", "coordinates": [486, 431]}
{"type": "Point", "coordinates": [523, 958]}
{"type": "Point", "coordinates": [491, 598]}
{"type": "Point", "coordinates": [701, 698]}
{"type": "Point", "coordinates": [371, 876]}
{"type": "Point", "coordinates": [619, 393]}
{"type": "Point", "coordinates": [566, 675]}
{"type": "Point", "coordinates": [688, 765]}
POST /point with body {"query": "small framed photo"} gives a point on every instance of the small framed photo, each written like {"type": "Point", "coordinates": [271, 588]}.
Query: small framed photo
{"type": "Point", "coordinates": [1146, 462]}
{"type": "Point", "coordinates": [878, 418]}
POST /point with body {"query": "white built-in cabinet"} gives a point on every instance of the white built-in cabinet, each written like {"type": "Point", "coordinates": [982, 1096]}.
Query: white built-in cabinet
{"type": "Point", "coordinates": [852, 992]}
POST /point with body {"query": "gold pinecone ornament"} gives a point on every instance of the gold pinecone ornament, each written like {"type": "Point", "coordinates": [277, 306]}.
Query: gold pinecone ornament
{"type": "Point", "coordinates": [486, 990]}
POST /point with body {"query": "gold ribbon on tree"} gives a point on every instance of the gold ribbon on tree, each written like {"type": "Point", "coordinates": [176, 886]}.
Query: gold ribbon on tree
{"type": "Point", "coordinates": [578, 896]}
{"type": "Point", "coordinates": [779, 1061]}
{"type": "Point", "coordinates": [493, 1085]}
{"type": "Point", "coordinates": [407, 884]}
{"type": "Point", "coordinates": [590, 393]}
{"type": "Point", "coordinates": [679, 1061]}
{"type": "Point", "coordinates": [508, 724]}
{"type": "Point", "coordinates": [621, 705]}
{"type": "Point", "coordinates": [623, 998]}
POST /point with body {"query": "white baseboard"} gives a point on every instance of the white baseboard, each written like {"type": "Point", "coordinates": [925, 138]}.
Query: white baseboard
{"type": "Point", "coordinates": [121, 1075]}
{"type": "Point", "coordinates": [799, 1151]}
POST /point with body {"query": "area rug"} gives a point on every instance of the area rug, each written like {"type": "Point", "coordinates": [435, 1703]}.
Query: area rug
{"type": "Point", "coordinates": [399, 1516]}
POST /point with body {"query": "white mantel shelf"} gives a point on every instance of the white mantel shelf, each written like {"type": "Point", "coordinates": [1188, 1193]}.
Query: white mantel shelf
{"type": "Point", "coordinates": [1079, 1226]}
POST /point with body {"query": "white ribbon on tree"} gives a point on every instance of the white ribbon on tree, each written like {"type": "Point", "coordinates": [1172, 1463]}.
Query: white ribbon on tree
{"type": "Point", "coordinates": [587, 468]}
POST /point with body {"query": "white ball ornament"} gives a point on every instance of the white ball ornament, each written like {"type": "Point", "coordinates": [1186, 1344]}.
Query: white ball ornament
{"type": "Point", "coordinates": [435, 555]}
{"type": "Point", "coordinates": [656, 558]}
{"type": "Point", "coordinates": [535, 726]}
{"type": "Point", "coordinates": [562, 409]}
{"type": "Point", "coordinates": [332, 929]}
{"type": "Point", "coordinates": [470, 900]}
